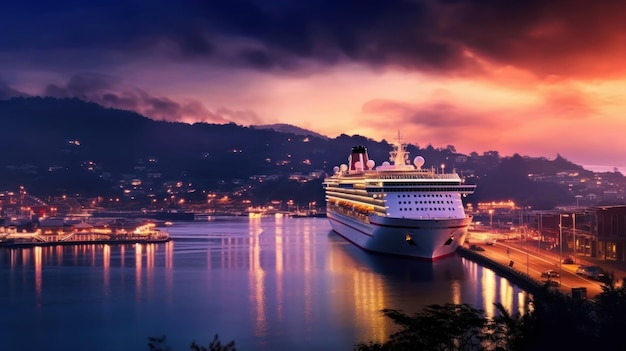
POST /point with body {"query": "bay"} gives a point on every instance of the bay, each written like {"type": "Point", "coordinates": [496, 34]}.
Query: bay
{"type": "Point", "coordinates": [268, 283]}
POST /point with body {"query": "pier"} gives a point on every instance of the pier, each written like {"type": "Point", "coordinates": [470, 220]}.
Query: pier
{"type": "Point", "coordinates": [83, 233]}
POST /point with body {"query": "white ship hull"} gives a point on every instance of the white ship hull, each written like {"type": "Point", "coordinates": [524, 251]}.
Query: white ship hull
{"type": "Point", "coordinates": [424, 239]}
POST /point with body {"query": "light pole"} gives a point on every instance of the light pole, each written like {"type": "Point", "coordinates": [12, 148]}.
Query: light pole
{"type": "Point", "coordinates": [560, 235]}
{"type": "Point", "coordinates": [561, 244]}
{"type": "Point", "coordinates": [540, 230]}
{"type": "Point", "coordinates": [491, 219]}
{"type": "Point", "coordinates": [574, 232]}
{"type": "Point", "coordinates": [526, 242]}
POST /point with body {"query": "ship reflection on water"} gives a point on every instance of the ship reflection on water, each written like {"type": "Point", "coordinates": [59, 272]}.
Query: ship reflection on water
{"type": "Point", "coordinates": [267, 283]}
{"type": "Point", "coordinates": [383, 281]}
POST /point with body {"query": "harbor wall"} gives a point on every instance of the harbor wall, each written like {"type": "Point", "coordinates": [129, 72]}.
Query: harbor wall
{"type": "Point", "coordinates": [520, 279]}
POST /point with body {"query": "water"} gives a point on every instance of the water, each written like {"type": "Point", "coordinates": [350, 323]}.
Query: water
{"type": "Point", "coordinates": [266, 283]}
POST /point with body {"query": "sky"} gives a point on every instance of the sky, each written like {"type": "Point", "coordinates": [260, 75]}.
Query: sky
{"type": "Point", "coordinates": [535, 78]}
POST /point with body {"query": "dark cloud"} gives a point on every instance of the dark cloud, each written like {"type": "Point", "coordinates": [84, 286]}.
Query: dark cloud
{"type": "Point", "coordinates": [110, 92]}
{"type": "Point", "coordinates": [560, 37]}
{"type": "Point", "coordinates": [563, 37]}
{"type": "Point", "coordinates": [429, 121]}
{"type": "Point", "coordinates": [83, 85]}
{"type": "Point", "coordinates": [6, 92]}
{"type": "Point", "coordinates": [429, 115]}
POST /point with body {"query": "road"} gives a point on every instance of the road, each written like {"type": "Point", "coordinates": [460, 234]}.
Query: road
{"type": "Point", "coordinates": [533, 263]}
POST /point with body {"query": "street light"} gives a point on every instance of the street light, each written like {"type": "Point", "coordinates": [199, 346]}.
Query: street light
{"type": "Point", "coordinates": [526, 245]}
{"type": "Point", "coordinates": [491, 219]}
{"type": "Point", "coordinates": [561, 244]}
{"type": "Point", "coordinates": [574, 232]}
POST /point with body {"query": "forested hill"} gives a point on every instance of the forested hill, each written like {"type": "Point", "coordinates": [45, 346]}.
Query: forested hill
{"type": "Point", "coordinates": [68, 145]}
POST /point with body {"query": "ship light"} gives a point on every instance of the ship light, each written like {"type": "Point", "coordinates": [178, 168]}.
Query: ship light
{"type": "Point", "coordinates": [409, 239]}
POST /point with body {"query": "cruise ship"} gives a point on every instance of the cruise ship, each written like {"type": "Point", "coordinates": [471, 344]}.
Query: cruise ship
{"type": "Point", "coordinates": [397, 207]}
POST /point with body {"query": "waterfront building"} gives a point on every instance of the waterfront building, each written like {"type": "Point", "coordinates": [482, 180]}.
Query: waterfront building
{"type": "Point", "coordinates": [596, 232]}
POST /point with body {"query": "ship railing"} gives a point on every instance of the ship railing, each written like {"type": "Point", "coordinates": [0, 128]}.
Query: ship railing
{"type": "Point", "coordinates": [412, 175]}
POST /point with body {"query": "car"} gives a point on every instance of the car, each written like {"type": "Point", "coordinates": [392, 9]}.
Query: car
{"type": "Point", "coordinates": [550, 274]}
{"type": "Point", "coordinates": [568, 260]}
{"type": "Point", "coordinates": [594, 272]}
{"type": "Point", "coordinates": [490, 241]}
{"type": "Point", "coordinates": [581, 270]}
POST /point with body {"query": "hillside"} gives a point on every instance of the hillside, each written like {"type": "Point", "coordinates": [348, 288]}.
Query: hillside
{"type": "Point", "coordinates": [55, 147]}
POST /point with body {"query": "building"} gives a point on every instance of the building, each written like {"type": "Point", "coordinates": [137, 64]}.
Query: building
{"type": "Point", "coordinates": [598, 232]}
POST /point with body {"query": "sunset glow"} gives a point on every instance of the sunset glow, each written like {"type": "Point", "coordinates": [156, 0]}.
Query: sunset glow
{"type": "Point", "coordinates": [534, 78]}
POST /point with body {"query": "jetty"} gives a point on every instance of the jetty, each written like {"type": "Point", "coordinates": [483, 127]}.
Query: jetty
{"type": "Point", "coordinates": [59, 232]}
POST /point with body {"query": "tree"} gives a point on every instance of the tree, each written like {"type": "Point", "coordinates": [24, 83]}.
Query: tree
{"type": "Point", "coordinates": [611, 312]}
{"type": "Point", "coordinates": [437, 327]}
{"type": "Point", "coordinates": [159, 344]}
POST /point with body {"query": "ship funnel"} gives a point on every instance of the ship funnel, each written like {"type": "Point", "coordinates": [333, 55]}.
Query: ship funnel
{"type": "Point", "coordinates": [358, 159]}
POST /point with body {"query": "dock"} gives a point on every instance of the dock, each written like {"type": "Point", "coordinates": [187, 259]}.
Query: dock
{"type": "Point", "coordinates": [77, 235]}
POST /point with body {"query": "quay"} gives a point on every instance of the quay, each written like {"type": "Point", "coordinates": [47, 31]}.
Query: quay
{"type": "Point", "coordinates": [523, 265]}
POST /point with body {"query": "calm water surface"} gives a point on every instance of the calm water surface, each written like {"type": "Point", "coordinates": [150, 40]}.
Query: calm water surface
{"type": "Point", "coordinates": [266, 283]}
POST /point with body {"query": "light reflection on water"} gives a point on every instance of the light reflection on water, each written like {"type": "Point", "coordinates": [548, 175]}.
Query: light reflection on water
{"type": "Point", "coordinates": [267, 283]}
